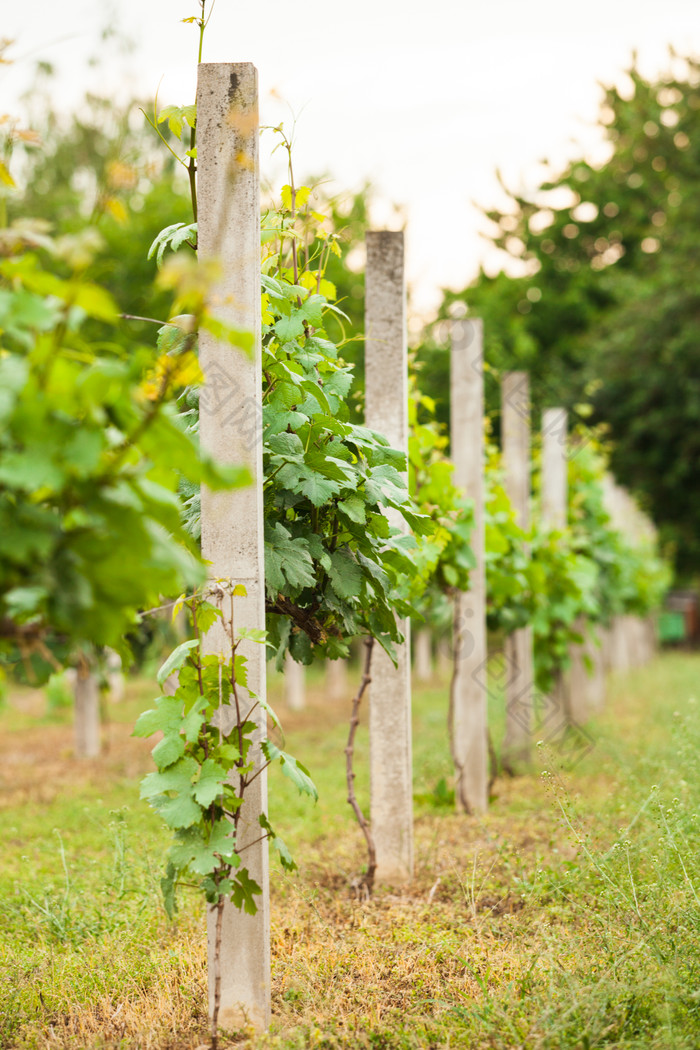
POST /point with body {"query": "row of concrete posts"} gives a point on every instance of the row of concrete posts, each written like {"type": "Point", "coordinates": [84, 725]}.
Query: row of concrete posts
{"type": "Point", "coordinates": [232, 522]}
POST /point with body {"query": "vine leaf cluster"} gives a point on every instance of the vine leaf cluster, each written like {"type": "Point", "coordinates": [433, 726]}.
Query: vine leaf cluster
{"type": "Point", "coordinates": [203, 770]}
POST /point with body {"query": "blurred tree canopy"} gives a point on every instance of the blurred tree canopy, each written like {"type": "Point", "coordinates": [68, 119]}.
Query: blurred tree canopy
{"type": "Point", "coordinates": [103, 169]}
{"type": "Point", "coordinates": [349, 215]}
{"type": "Point", "coordinates": [92, 444]}
{"type": "Point", "coordinates": [605, 311]}
{"type": "Point", "coordinates": [602, 312]}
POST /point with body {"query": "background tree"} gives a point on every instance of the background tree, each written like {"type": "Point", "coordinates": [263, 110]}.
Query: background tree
{"type": "Point", "coordinates": [348, 217]}
{"type": "Point", "coordinates": [92, 446]}
{"type": "Point", "coordinates": [101, 169]}
{"type": "Point", "coordinates": [604, 308]}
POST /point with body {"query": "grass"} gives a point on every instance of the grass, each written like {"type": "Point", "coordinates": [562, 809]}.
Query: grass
{"type": "Point", "coordinates": [568, 917]}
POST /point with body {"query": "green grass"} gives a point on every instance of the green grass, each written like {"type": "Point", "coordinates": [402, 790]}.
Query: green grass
{"type": "Point", "coordinates": [568, 917]}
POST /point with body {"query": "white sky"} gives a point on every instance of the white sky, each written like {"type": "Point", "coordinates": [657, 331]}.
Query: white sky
{"type": "Point", "coordinates": [427, 99]}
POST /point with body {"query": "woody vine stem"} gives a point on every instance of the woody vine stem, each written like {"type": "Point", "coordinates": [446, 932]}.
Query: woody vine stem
{"type": "Point", "coordinates": [368, 879]}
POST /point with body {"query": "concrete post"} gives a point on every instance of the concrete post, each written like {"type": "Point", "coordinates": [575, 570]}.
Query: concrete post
{"type": "Point", "coordinates": [115, 675]}
{"type": "Point", "coordinates": [632, 641]}
{"type": "Point", "coordinates": [337, 680]}
{"type": "Point", "coordinates": [594, 649]}
{"type": "Point", "coordinates": [230, 429]}
{"type": "Point", "coordinates": [423, 654]}
{"type": "Point", "coordinates": [617, 504]}
{"type": "Point", "coordinates": [645, 641]}
{"type": "Point", "coordinates": [619, 647]}
{"type": "Point", "coordinates": [519, 668]}
{"type": "Point", "coordinates": [386, 410]}
{"type": "Point", "coordinates": [444, 662]}
{"type": "Point", "coordinates": [469, 690]}
{"type": "Point", "coordinates": [606, 644]}
{"type": "Point", "coordinates": [554, 515]}
{"type": "Point", "coordinates": [589, 683]}
{"type": "Point", "coordinates": [631, 528]}
{"type": "Point", "coordinates": [87, 714]}
{"type": "Point", "coordinates": [294, 684]}
{"type": "Point", "coordinates": [651, 637]}
{"type": "Point", "coordinates": [554, 468]}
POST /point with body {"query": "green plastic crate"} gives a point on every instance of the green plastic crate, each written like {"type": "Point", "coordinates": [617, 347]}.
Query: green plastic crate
{"type": "Point", "coordinates": [672, 627]}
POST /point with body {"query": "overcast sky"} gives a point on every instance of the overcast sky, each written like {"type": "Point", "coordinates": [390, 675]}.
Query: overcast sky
{"type": "Point", "coordinates": [425, 99]}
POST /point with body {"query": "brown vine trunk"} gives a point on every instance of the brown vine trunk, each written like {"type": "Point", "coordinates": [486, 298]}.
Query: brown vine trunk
{"type": "Point", "coordinates": [217, 975]}
{"type": "Point", "coordinates": [451, 713]}
{"type": "Point", "coordinates": [368, 880]}
{"type": "Point", "coordinates": [493, 761]}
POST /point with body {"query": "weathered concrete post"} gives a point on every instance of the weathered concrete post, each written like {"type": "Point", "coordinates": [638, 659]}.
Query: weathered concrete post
{"type": "Point", "coordinates": [386, 410]}
{"type": "Point", "coordinates": [588, 679]}
{"type": "Point", "coordinates": [519, 668]}
{"type": "Point", "coordinates": [294, 683]}
{"type": "Point", "coordinates": [423, 654]}
{"type": "Point", "coordinates": [115, 675]}
{"type": "Point", "coordinates": [628, 526]}
{"type": "Point", "coordinates": [337, 680]}
{"type": "Point", "coordinates": [469, 688]}
{"type": "Point", "coordinates": [554, 466]}
{"type": "Point", "coordinates": [613, 498]}
{"type": "Point", "coordinates": [612, 649]}
{"type": "Point", "coordinates": [230, 429]}
{"type": "Point", "coordinates": [554, 507]}
{"type": "Point", "coordinates": [606, 647]}
{"type": "Point", "coordinates": [444, 663]}
{"type": "Point", "coordinates": [87, 713]}
{"type": "Point", "coordinates": [642, 532]}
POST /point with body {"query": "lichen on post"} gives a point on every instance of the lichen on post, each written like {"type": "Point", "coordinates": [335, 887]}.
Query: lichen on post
{"type": "Point", "coordinates": [386, 410]}
{"type": "Point", "coordinates": [518, 676]}
{"type": "Point", "coordinates": [228, 187]}
{"type": "Point", "coordinates": [469, 687]}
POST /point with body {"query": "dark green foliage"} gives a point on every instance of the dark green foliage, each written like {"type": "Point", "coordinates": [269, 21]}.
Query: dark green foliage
{"type": "Point", "coordinates": [91, 452]}
{"type": "Point", "coordinates": [446, 557]}
{"type": "Point", "coordinates": [335, 567]}
{"type": "Point", "coordinates": [334, 564]}
{"type": "Point", "coordinates": [650, 394]}
{"type": "Point", "coordinates": [202, 774]}
{"type": "Point", "coordinates": [555, 579]}
{"type": "Point", "coordinates": [607, 306]}
{"type": "Point", "coordinates": [631, 577]}
{"type": "Point", "coordinates": [99, 171]}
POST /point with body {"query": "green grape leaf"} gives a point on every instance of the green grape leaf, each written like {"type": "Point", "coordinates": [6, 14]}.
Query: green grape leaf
{"type": "Point", "coordinates": [168, 750]}
{"type": "Point", "coordinates": [292, 768]}
{"type": "Point", "coordinates": [168, 886]}
{"type": "Point", "coordinates": [244, 892]}
{"type": "Point", "coordinates": [345, 573]}
{"type": "Point", "coordinates": [166, 717]}
{"type": "Point", "coordinates": [178, 810]}
{"type": "Point", "coordinates": [202, 852]}
{"type": "Point", "coordinates": [211, 778]}
{"type": "Point", "coordinates": [317, 489]}
{"type": "Point", "coordinates": [176, 659]}
{"type": "Point", "coordinates": [289, 328]}
{"type": "Point", "coordinates": [287, 560]}
{"type": "Point", "coordinates": [355, 509]}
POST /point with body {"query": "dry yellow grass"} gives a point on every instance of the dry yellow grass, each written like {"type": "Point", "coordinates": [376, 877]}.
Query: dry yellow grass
{"type": "Point", "coordinates": [503, 938]}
